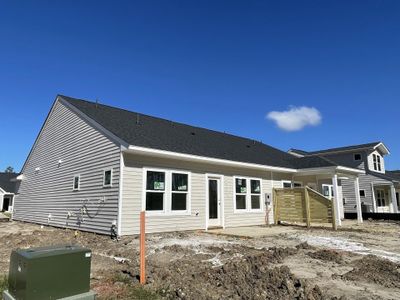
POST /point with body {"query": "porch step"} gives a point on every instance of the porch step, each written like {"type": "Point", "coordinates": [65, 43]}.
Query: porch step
{"type": "Point", "coordinates": [4, 218]}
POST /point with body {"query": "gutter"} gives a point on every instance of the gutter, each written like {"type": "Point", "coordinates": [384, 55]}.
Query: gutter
{"type": "Point", "coordinates": [198, 158]}
{"type": "Point", "coordinates": [225, 162]}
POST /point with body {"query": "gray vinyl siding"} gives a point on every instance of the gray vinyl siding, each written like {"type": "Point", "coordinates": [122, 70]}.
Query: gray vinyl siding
{"type": "Point", "coordinates": [133, 185]}
{"type": "Point", "coordinates": [365, 184]}
{"type": "Point", "coordinates": [347, 159]}
{"type": "Point", "coordinates": [84, 151]}
{"type": "Point", "coordinates": [349, 193]}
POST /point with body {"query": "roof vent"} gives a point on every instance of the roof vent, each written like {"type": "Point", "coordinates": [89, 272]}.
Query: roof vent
{"type": "Point", "coordinates": [193, 133]}
{"type": "Point", "coordinates": [248, 146]}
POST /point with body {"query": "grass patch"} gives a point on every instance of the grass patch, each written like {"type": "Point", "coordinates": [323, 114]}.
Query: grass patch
{"type": "Point", "coordinates": [3, 284]}
{"type": "Point", "coordinates": [140, 293]}
{"type": "Point", "coordinates": [123, 286]}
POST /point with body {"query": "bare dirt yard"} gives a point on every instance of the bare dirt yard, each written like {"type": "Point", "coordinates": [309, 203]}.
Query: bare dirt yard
{"type": "Point", "coordinates": [280, 262]}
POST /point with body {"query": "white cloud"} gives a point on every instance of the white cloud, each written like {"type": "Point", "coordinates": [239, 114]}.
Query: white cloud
{"type": "Point", "coordinates": [296, 118]}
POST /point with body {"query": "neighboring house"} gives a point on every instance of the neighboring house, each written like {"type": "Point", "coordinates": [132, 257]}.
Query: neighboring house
{"type": "Point", "coordinates": [95, 167]}
{"type": "Point", "coordinates": [8, 188]}
{"type": "Point", "coordinates": [395, 178]}
{"type": "Point", "coordinates": [378, 187]}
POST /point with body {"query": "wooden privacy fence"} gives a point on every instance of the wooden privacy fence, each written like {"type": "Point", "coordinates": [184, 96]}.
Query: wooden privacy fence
{"type": "Point", "coordinates": [302, 205]}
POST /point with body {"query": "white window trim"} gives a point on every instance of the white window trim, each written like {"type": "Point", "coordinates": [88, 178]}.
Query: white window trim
{"type": "Point", "coordinates": [354, 157]}
{"type": "Point", "coordinates": [286, 181]}
{"type": "Point", "coordinates": [365, 195]}
{"type": "Point", "coordinates": [167, 199]}
{"type": "Point", "coordinates": [104, 177]}
{"type": "Point", "coordinates": [330, 188]}
{"type": "Point", "coordinates": [248, 194]}
{"type": "Point", "coordinates": [79, 183]}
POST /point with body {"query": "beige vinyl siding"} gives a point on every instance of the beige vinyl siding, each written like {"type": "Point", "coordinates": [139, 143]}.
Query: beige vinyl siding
{"type": "Point", "coordinates": [133, 192]}
{"type": "Point", "coordinates": [84, 151]}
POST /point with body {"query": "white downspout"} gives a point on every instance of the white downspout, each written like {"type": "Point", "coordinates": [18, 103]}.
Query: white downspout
{"type": "Point", "coordinates": [121, 188]}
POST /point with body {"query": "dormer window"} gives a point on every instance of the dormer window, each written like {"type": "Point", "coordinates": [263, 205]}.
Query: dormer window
{"type": "Point", "coordinates": [357, 157]}
{"type": "Point", "coordinates": [377, 162]}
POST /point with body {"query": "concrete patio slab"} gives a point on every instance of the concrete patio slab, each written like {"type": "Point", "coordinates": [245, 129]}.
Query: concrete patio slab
{"type": "Point", "coordinates": [252, 231]}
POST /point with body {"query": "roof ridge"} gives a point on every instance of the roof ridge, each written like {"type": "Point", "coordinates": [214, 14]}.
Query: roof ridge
{"type": "Point", "coordinates": [342, 148]}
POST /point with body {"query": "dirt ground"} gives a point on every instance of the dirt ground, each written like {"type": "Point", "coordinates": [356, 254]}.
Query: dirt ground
{"type": "Point", "coordinates": [356, 262]}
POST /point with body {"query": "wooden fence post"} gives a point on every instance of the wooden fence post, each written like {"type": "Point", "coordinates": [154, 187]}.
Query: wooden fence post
{"type": "Point", "coordinates": [142, 248]}
{"type": "Point", "coordinates": [308, 212]}
{"type": "Point", "coordinates": [275, 206]}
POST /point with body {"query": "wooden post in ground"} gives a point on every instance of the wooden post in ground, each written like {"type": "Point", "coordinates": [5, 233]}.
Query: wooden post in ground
{"type": "Point", "coordinates": [142, 248]}
{"type": "Point", "coordinates": [308, 212]}
{"type": "Point", "coordinates": [275, 206]}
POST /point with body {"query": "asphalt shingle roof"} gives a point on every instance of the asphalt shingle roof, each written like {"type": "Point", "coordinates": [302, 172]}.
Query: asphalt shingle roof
{"type": "Point", "coordinates": [394, 175]}
{"type": "Point", "coordinates": [5, 182]}
{"type": "Point", "coordinates": [151, 132]}
{"type": "Point", "coordinates": [347, 148]}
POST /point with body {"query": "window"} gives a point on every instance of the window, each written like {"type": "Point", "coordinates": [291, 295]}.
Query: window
{"type": "Point", "coordinates": [287, 184]}
{"type": "Point", "coordinates": [179, 191]}
{"type": "Point", "coordinates": [255, 194]}
{"type": "Point", "coordinates": [297, 184]}
{"type": "Point", "coordinates": [107, 178]}
{"type": "Point", "coordinates": [379, 163]}
{"type": "Point", "coordinates": [167, 191]}
{"type": "Point", "coordinates": [398, 200]}
{"type": "Point", "coordinates": [241, 192]}
{"type": "Point", "coordinates": [327, 190]}
{"type": "Point", "coordinates": [377, 160]}
{"type": "Point", "coordinates": [362, 193]}
{"type": "Point", "coordinates": [380, 198]}
{"type": "Point", "coordinates": [155, 190]}
{"type": "Point", "coordinates": [247, 194]}
{"type": "Point", "coordinates": [76, 183]}
{"type": "Point", "coordinates": [357, 157]}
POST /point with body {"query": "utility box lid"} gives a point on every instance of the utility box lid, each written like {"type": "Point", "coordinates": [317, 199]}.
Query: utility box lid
{"type": "Point", "coordinates": [41, 252]}
{"type": "Point", "coordinates": [49, 272]}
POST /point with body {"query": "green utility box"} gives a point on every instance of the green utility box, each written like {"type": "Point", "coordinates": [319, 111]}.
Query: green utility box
{"type": "Point", "coordinates": [55, 272]}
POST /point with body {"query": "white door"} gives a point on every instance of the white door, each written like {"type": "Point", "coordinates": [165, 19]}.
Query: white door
{"type": "Point", "coordinates": [214, 201]}
{"type": "Point", "coordinates": [381, 201]}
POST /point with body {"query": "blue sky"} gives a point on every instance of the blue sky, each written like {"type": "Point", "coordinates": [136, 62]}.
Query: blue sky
{"type": "Point", "coordinates": [222, 65]}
